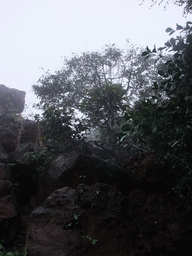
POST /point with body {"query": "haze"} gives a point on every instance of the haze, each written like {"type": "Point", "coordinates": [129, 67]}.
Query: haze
{"type": "Point", "coordinates": [35, 34]}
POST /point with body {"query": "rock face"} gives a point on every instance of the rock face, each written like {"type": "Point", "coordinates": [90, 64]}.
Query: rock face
{"type": "Point", "coordinates": [10, 132]}
{"type": "Point", "coordinates": [148, 219]}
{"type": "Point", "coordinates": [71, 170]}
{"type": "Point", "coordinates": [16, 184]}
{"type": "Point", "coordinates": [8, 206]}
{"type": "Point", "coordinates": [87, 207]}
{"type": "Point", "coordinates": [11, 100]}
{"type": "Point", "coordinates": [4, 157]}
{"type": "Point", "coordinates": [30, 132]}
{"type": "Point", "coordinates": [7, 199]}
{"type": "Point", "coordinates": [83, 221]}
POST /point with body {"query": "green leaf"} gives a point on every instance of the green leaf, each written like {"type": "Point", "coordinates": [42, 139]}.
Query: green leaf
{"type": "Point", "coordinates": [168, 44]}
{"type": "Point", "coordinates": [172, 32]}
{"type": "Point", "coordinates": [147, 48]}
{"type": "Point", "coordinates": [178, 27]}
{"type": "Point", "coordinates": [76, 216]}
{"type": "Point", "coordinates": [161, 48]}
{"type": "Point", "coordinates": [94, 241]}
{"type": "Point", "coordinates": [88, 237]}
{"type": "Point", "coordinates": [154, 49]}
{"type": "Point", "coordinates": [157, 59]}
{"type": "Point", "coordinates": [144, 53]}
{"type": "Point", "coordinates": [25, 251]}
{"type": "Point", "coordinates": [172, 41]}
{"type": "Point", "coordinates": [168, 30]}
{"type": "Point", "coordinates": [146, 57]}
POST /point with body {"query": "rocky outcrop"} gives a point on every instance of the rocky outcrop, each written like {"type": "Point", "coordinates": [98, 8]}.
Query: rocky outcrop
{"type": "Point", "coordinates": [87, 220]}
{"type": "Point", "coordinates": [30, 132]}
{"type": "Point", "coordinates": [139, 167]}
{"type": "Point", "coordinates": [11, 100]}
{"type": "Point", "coordinates": [84, 204]}
{"type": "Point", "coordinates": [15, 179]}
{"type": "Point", "coordinates": [8, 206]}
{"type": "Point", "coordinates": [73, 169]}
{"type": "Point", "coordinates": [99, 220]}
{"type": "Point", "coordinates": [10, 132]}
{"type": "Point", "coordinates": [7, 198]}
{"type": "Point", "coordinates": [4, 157]}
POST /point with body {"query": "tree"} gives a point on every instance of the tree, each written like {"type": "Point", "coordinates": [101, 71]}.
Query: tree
{"type": "Point", "coordinates": [186, 3]}
{"type": "Point", "coordinates": [104, 108]}
{"type": "Point", "coordinates": [95, 85]}
{"type": "Point", "coordinates": [164, 121]}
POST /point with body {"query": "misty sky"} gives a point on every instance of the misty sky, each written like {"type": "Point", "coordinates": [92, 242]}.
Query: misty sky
{"type": "Point", "coordinates": [35, 34]}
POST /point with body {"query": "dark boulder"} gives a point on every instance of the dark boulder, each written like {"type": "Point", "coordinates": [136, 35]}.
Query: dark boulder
{"type": "Point", "coordinates": [4, 157]}
{"type": "Point", "coordinates": [99, 220]}
{"type": "Point", "coordinates": [10, 132]}
{"type": "Point", "coordinates": [8, 206]}
{"type": "Point", "coordinates": [83, 221]}
{"type": "Point", "coordinates": [7, 198]}
{"type": "Point", "coordinates": [71, 170]}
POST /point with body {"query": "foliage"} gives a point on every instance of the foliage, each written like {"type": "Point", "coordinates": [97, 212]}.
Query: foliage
{"type": "Point", "coordinates": [104, 108]}
{"type": "Point", "coordinates": [41, 159]}
{"type": "Point", "coordinates": [96, 86]}
{"type": "Point", "coordinates": [164, 120]}
{"type": "Point", "coordinates": [12, 252]}
{"type": "Point", "coordinates": [186, 3]}
{"type": "Point", "coordinates": [93, 241]}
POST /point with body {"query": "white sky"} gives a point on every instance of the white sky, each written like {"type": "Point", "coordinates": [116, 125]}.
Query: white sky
{"type": "Point", "coordinates": [35, 34]}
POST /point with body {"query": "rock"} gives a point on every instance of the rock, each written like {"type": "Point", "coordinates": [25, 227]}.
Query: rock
{"type": "Point", "coordinates": [22, 153]}
{"type": "Point", "coordinates": [4, 157]}
{"type": "Point", "coordinates": [8, 206]}
{"type": "Point", "coordinates": [139, 167]}
{"type": "Point", "coordinates": [30, 132]}
{"type": "Point", "coordinates": [9, 229]}
{"type": "Point", "coordinates": [162, 219]}
{"type": "Point", "coordinates": [11, 100]}
{"type": "Point", "coordinates": [7, 198]}
{"type": "Point", "coordinates": [99, 220]}
{"type": "Point", "coordinates": [71, 170]}
{"type": "Point", "coordinates": [10, 132]}
{"type": "Point", "coordinates": [83, 221]}
{"type": "Point", "coordinates": [24, 176]}
{"type": "Point", "coordinates": [5, 173]}
{"type": "Point", "coordinates": [163, 224]}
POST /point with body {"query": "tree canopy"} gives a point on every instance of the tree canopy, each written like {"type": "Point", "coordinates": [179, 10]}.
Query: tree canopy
{"type": "Point", "coordinates": [163, 123]}
{"type": "Point", "coordinates": [187, 4]}
{"type": "Point", "coordinates": [97, 86]}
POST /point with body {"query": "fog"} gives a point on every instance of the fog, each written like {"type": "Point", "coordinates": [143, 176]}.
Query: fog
{"type": "Point", "coordinates": [36, 34]}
